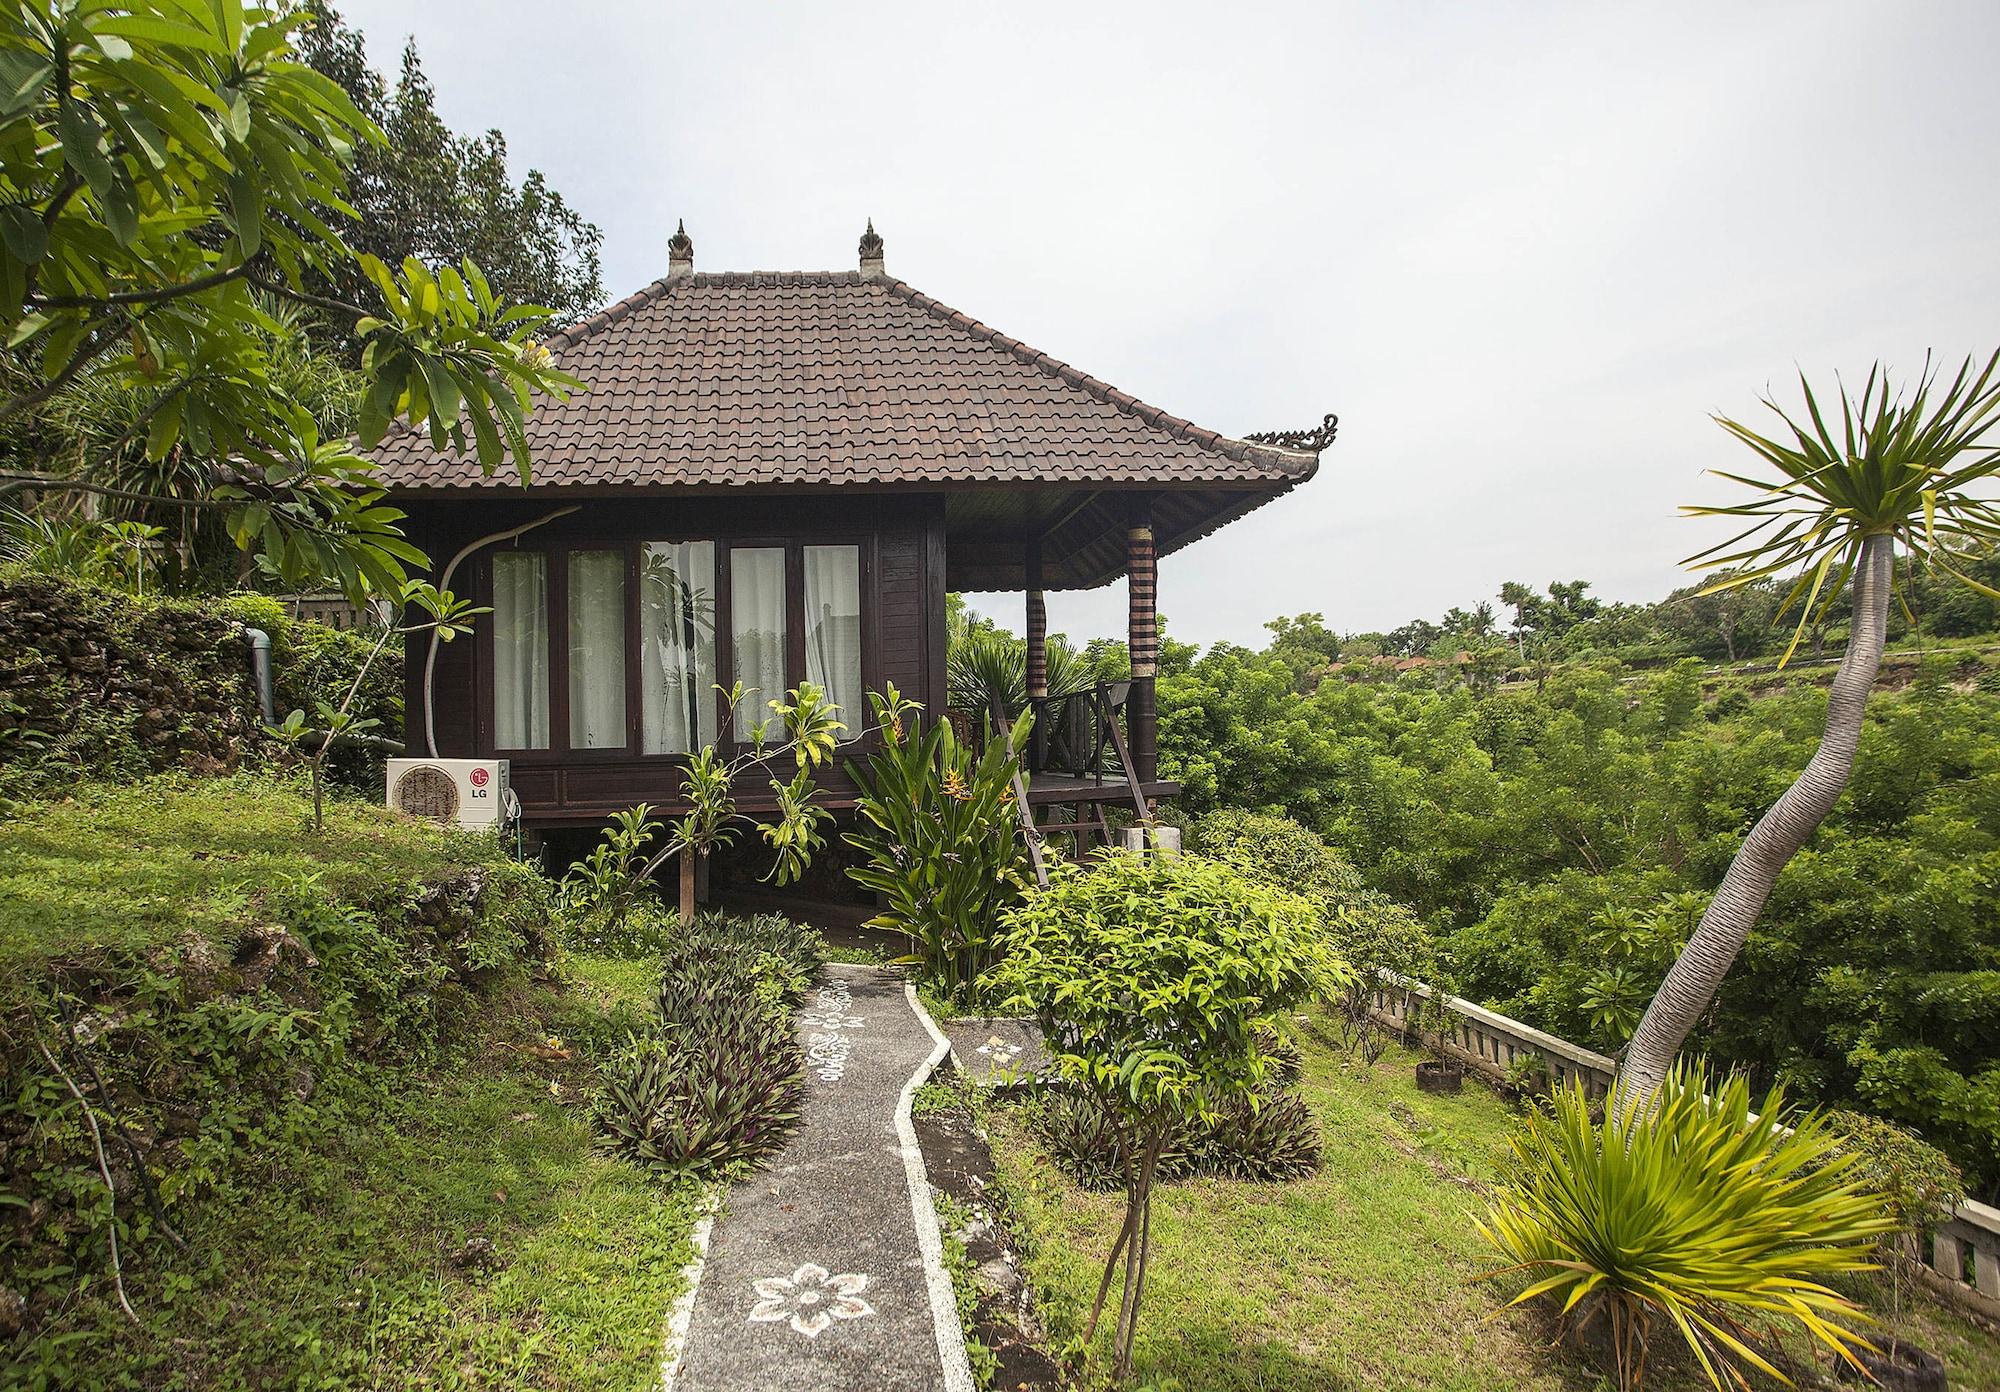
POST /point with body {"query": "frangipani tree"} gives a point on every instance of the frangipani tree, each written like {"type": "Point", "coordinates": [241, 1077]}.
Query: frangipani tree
{"type": "Point", "coordinates": [168, 169]}
{"type": "Point", "coordinates": [1912, 470]}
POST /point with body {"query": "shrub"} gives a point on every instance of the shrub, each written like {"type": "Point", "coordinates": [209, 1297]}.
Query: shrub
{"type": "Point", "coordinates": [716, 1082]}
{"type": "Point", "coordinates": [1690, 1210]}
{"type": "Point", "coordinates": [1916, 1182]}
{"type": "Point", "coordinates": [1371, 932]}
{"type": "Point", "coordinates": [1275, 850]}
{"type": "Point", "coordinates": [938, 837]}
{"type": "Point", "coordinates": [607, 885]}
{"type": "Point", "coordinates": [1152, 977]}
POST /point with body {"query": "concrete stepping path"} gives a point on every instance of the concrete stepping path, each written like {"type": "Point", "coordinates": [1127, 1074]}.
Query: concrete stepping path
{"type": "Point", "coordinates": [823, 1272]}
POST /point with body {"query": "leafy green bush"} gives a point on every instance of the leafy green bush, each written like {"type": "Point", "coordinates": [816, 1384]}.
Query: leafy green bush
{"type": "Point", "coordinates": [1372, 932]}
{"type": "Point", "coordinates": [1689, 1210]}
{"type": "Point", "coordinates": [1275, 850]}
{"type": "Point", "coordinates": [1154, 978]}
{"type": "Point", "coordinates": [599, 891]}
{"type": "Point", "coordinates": [939, 842]}
{"type": "Point", "coordinates": [1915, 1181]}
{"type": "Point", "coordinates": [715, 1084]}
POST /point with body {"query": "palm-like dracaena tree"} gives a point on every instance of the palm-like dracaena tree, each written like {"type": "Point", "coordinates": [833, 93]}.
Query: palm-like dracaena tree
{"type": "Point", "coordinates": [1899, 471]}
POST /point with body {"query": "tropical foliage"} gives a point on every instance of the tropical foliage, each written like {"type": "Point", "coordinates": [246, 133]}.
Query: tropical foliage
{"type": "Point", "coordinates": [986, 667]}
{"type": "Point", "coordinates": [1371, 931]}
{"type": "Point", "coordinates": [1695, 1214]}
{"type": "Point", "coordinates": [714, 1083]}
{"type": "Point", "coordinates": [938, 838]}
{"type": "Point", "coordinates": [174, 167]}
{"type": "Point", "coordinates": [1156, 978]}
{"type": "Point", "coordinates": [1529, 824]}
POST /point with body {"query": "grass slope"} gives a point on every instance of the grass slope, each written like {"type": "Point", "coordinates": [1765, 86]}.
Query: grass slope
{"type": "Point", "coordinates": [377, 1150]}
{"type": "Point", "coordinates": [118, 869]}
{"type": "Point", "coordinates": [362, 1259]}
{"type": "Point", "coordinates": [1360, 1278]}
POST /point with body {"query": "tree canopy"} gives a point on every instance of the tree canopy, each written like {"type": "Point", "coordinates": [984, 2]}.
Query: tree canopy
{"type": "Point", "coordinates": [170, 170]}
{"type": "Point", "coordinates": [428, 192]}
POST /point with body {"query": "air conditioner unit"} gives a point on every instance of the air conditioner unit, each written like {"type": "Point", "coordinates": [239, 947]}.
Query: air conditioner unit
{"type": "Point", "coordinates": [471, 792]}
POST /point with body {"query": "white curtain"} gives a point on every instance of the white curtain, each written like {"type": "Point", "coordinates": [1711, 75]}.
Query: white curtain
{"type": "Point", "coordinates": [597, 650]}
{"type": "Point", "coordinates": [833, 628]}
{"type": "Point", "coordinates": [757, 632]}
{"type": "Point", "coordinates": [677, 646]}
{"type": "Point", "coordinates": [520, 650]}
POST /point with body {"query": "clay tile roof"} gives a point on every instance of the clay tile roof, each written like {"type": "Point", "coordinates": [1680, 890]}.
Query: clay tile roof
{"type": "Point", "coordinates": [757, 378]}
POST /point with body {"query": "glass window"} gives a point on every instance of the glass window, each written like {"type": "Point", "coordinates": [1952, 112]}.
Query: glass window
{"type": "Point", "coordinates": [757, 632]}
{"type": "Point", "coordinates": [597, 650]}
{"type": "Point", "coordinates": [677, 646]}
{"type": "Point", "coordinates": [520, 650]}
{"type": "Point", "coordinates": [833, 627]}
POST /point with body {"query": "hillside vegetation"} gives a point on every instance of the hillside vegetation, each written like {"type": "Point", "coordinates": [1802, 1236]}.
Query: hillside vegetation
{"type": "Point", "coordinates": [1562, 837]}
{"type": "Point", "coordinates": [336, 1082]}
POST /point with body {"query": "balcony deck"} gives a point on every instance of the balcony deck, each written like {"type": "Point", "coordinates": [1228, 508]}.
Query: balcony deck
{"type": "Point", "coordinates": [1047, 788]}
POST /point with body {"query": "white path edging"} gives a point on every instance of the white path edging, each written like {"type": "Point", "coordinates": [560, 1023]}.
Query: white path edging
{"type": "Point", "coordinates": [930, 1238]}
{"type": "Point", "coordinates": [673, 1347]}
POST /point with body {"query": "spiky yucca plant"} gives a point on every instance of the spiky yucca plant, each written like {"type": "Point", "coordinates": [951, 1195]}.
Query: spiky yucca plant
{"type": "Point", "coordinates": [1694, 1211]}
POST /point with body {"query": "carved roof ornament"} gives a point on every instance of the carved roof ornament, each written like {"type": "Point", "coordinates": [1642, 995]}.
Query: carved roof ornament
{"type": "Point", "coordinates": [1315, 439]}
{"type": "Point", "coordinates": [680, 251]}
{"type": "Point", "coordinates": [871, 253]}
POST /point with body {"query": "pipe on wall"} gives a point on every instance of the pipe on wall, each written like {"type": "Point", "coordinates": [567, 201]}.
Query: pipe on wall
{"type": "Point", "coordinates": [260, 671]}
{"type": "Point", "coordinates": [444, 583]}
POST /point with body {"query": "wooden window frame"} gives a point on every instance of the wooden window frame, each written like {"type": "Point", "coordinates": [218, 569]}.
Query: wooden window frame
{"type": "Point", "coordinates": [557, 555]}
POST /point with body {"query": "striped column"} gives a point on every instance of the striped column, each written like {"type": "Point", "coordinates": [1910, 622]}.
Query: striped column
{"type": "Point", "coordinates": [1142, 642]}
{"type": "Point", "coordinates": [1142, 628]}
{"type": "Point", "coordinates": [1038, 625]}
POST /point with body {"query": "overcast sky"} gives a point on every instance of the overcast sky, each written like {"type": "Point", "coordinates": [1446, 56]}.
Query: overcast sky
{"type": "Point", "coordinates": [1522, 249]}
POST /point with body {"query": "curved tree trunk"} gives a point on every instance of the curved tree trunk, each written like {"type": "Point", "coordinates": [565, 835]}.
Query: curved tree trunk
{"type": "Point", "coordinates": [1697, 975]}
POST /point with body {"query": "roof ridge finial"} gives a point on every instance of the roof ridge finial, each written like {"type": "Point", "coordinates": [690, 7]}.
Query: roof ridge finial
{"type": "Point", "coordinates": [871, 251]}
{"type": "Point", "coordinates": [680, 251]}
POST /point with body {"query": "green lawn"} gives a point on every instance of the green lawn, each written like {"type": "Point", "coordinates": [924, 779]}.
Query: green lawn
{"type": "Point", "coordinates": [114, 870]}
{"type": "Point", "coordinates": [1360, 1279]}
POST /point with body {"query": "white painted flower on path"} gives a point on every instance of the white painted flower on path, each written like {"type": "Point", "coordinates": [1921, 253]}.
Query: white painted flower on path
{"type": "Point", "coordinates": [811, 1299]}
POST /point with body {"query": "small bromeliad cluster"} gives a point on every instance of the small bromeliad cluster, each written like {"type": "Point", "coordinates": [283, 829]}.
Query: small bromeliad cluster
{"type": "Point", "coordinates": [1273, 1137]}
{"type": "Point", "coordinates": [714, 1082]}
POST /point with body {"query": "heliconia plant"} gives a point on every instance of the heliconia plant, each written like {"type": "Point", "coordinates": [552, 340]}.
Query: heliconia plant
{"type": "Point", "coordinates": [939, 836]}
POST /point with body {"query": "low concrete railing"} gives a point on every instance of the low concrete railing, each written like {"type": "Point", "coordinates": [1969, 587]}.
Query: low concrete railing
{"type": "Point", "coordinates": [1488, 1041]}
{"type": "Point", "coordinates": [1964, 1259]}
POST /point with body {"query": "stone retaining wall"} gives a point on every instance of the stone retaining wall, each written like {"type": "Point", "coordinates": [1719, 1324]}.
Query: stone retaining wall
{"type": "Point", "coordinates": [99, 684]}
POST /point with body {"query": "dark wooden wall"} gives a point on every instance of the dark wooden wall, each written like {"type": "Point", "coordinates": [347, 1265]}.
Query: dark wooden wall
{"type": "Point", "coordinates": [902, 537]}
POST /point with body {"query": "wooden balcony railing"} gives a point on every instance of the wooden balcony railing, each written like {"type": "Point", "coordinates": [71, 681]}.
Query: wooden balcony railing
{"type": "Point", "coordinates": [1082, 734]}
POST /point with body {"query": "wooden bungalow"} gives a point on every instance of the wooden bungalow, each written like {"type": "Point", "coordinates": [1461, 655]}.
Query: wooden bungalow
{"type": "Point", "coordinates": [776, 477]}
